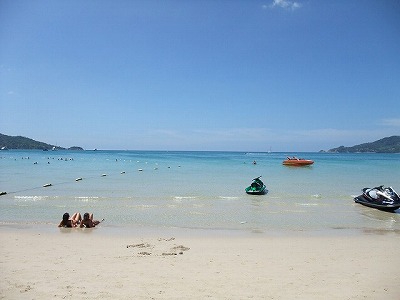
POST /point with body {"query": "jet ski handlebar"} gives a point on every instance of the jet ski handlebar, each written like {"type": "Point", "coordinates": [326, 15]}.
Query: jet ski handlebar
{"type": "Point", "coordinates": [379, 188]}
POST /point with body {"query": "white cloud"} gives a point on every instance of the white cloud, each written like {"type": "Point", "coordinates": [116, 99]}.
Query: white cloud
{"type": "Point", "coordinates": [285, 4]}
{"type": "Point", "coordinates": [391, 122]}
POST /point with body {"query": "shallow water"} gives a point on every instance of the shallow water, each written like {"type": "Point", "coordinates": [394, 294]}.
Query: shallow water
{"type": "Point", "coordinates": [202, 190]}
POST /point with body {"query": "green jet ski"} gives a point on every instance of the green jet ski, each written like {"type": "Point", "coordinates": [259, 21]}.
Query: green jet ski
{"type": "Point", "coordinates": [257, 187]}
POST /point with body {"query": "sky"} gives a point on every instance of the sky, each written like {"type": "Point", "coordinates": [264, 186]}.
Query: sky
{"type": "Point", "coordinates": [209, 75]}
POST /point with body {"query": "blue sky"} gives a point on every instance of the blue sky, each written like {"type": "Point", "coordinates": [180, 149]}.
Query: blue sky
{"type": "Point", "coordinates": [200, 75]}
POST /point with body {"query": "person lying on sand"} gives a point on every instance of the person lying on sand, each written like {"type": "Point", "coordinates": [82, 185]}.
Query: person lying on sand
{"type": "Point", "coordinates": [88, 221]}
{"type": "Point", "coordinates": [70, 222]}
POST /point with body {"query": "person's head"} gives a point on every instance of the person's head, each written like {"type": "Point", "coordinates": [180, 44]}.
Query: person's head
{"type": "Point", "coordinates": [65, 217]}
{"type": "Point", "coordinates": [86, 216]}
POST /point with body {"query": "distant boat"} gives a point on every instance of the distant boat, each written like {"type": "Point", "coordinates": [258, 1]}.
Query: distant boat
{"type": "Point", "coordinates": [294, 161]}
{"type": "Point", "coordinates": [53, 149]}
{"type": "Point", "coordinates": [3, 148]}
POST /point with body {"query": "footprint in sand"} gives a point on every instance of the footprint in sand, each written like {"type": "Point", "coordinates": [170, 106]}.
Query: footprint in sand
{"type": "Point", "coordinates": [180, 248]}
{"type": "Point", "coordinates": [158, 249]}
{"type": "Point", "coordinates": [141, 245]}
{"type": "Point", "coordinates": [166, 240]}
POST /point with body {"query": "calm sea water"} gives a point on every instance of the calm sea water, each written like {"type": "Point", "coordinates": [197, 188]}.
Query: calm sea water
{"type": "Point", "coordinates": [202, 190]}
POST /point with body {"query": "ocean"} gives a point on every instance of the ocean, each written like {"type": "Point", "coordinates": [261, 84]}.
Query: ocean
{"type": "Point", "coordinates": [196, 190]}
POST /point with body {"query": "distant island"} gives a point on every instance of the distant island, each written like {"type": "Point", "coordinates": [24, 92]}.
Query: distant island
{"type": "Point", "coordinates": [24, 143]}
{"type": "Point", "coordinates": [386, 145]}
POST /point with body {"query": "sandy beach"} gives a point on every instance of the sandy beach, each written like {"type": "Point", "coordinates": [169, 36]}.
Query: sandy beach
{"type": "Point", "coordinates": [88, 263]}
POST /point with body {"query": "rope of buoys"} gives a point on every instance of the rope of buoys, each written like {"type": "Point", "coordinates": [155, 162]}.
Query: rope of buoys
{"type": "Point", "coordinates": [50, 184]}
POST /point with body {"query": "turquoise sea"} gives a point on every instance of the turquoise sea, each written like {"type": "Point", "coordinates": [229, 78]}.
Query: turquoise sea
{"type": "Point", "coordinates": [199, 190]}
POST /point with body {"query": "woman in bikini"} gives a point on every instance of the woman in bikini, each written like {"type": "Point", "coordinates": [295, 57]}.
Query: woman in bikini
{"type": "Point", "coordinates": [88, 221]}
{"type": "Point", "coordinates": [70, 221]}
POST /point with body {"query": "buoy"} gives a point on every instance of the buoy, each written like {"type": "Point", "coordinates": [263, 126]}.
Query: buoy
{"type": "Point", "coordinates": [3, 193]}
{"type": "Point", "coordinates": [78, 179]}
{"type": "Point", "coordinates": [47, 184]}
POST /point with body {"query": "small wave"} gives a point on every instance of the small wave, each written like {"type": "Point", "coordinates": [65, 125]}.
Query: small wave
{"type": "Point", "coordinates": [228, 197]}
{"type": "Point", "coordinates": [197, 213]}
{"type": "Point", "coordinates": [87, 199]}
{"type": "Point", "coordinates": [30, 198]}
{"type": "Point", "coordinates": [307, 204]}
{"type": "Point", "coordinates": [184, 197]}
{"type": "Point", "coordinates": [144, 206]}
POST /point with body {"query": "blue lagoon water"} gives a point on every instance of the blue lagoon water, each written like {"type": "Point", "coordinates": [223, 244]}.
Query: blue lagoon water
{"type": "Point", "coordinates": [200, 190]}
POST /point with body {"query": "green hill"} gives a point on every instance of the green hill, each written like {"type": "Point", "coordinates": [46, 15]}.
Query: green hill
{"type": "Point", "coordinates": [385, 145]}
{"type": "Point", "coordinates": [20, 142]}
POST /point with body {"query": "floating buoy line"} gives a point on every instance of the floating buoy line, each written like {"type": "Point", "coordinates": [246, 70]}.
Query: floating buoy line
{"type": "Point", "coordinates": [47, 185]}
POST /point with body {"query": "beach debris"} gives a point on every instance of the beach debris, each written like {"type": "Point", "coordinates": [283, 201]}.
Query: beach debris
{"type": "Point", "coordinates": [78, 179]}
{"type": "Point", "coordinates": [47, 185]}
{"type": "Point", "coordinates": [3, 193]}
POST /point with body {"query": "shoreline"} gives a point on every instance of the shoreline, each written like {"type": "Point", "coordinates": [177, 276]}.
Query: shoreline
{"type": "Point", "coordinates": [133, 231]}
{"type": "Point", "coordinates": [40, 262]}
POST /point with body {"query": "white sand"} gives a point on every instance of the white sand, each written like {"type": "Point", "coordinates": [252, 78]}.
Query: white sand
{"type": "Point", "coordinates": [82, 264]}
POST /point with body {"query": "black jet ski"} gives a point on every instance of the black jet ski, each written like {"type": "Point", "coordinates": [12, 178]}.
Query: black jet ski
{"type": "Point", "coordinates": [257, 187]}
{"type": "Point", "coordinates": [380, 198]}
